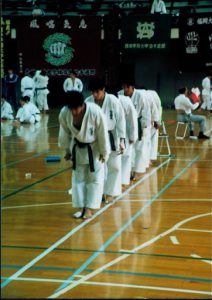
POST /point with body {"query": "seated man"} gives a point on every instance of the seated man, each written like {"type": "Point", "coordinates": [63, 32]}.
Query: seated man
{"type": "Point", "coordinates": [25, 113]}
{"type": "Point", "coordinates": [184, 107]}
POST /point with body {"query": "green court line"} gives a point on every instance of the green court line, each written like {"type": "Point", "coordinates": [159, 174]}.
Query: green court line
{"type": "Point", "coordinates": [114, 272]}
{"type": "Point", "coordinates": [107, 252]}
{"type": "Point", "coordinates": [24, 159]}
{"type": "Point", "coordinates": [34, 183]}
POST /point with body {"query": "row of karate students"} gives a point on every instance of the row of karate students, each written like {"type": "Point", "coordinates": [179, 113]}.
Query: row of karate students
{"type": "Point", "coordinates": [108, 137]}
{"type": "Point", "coordinates": [27, 113]}
{"type": "Point", "coordinates": [35, 86]}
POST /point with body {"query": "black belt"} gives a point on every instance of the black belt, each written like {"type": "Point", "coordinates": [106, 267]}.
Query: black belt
{"type": "Point", "coordinates": [90, 154]}
{"type": "Point", "coordinates": [139, 129]}
{"type": "Point", "coordinates": [28, 88]}
{"type": "Point", "coordinates": [39, 89]}
{"type": "Point", "coordinates": [112, 142]}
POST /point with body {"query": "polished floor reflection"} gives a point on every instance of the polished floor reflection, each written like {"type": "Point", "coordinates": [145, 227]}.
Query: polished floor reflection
{"type": "Point", "coordinates": [153, 242]}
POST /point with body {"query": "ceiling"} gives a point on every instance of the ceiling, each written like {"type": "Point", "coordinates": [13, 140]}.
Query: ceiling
{"type": "Point", "coordinates": [100, 7]}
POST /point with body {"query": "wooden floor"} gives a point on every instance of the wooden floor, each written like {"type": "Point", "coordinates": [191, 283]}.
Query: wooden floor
{"type": "Point", "coordinates": [153, 242]}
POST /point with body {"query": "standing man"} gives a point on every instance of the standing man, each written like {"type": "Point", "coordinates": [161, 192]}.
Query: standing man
{"type": "Point", "coordinates": [41, 90]}
{"type": "Point", "coordinates": [156, 114]}
{"type": "Point", "coordinates": [73, 83]}
{"type": "Point", "coordinates": [184, 107]}
{"type": "Point", "coordinates": [140, 102]}
{"type": "Point", "coordinates": [83, 135]}
{"type": "Point", "coordinates": [158, 7]}
{"type": "Point", "coordinates": [28, 85]}
{"type": "Point", "coordinates": [11, 82]}
{"type": "Point", "coordinates": [116, 125]}
{"type": "Point", "coordinates": [206, 93]}
{"type": "Point", "coordinates": [131, 137]}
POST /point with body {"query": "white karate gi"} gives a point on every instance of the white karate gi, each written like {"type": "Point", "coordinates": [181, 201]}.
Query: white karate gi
{"type": "Point", "coordinates": [87, 186]}
{"type": "Point", "coordinates": [158, 7]}
{"type": "Point", "coordinates": [206, 94]}
{"type": "Point", "coordinates": [26, 114]}
{"type": "Point", "coordinates": [142, 107]}
{"type": "Point", "coordinates": [35, 111]}
{"type": "Point", "coordinates": [6, 111]}
{"type": "Point", "coordinates": [117, 126]}
{"type": "Point", "coordinates": [41, 91]}
{"type": "Point", "coordinates": [155, 105]}
{"type": "Point", "coordinates": [69, 85]}
{"type": "Point", "coordinates": [27, 87]}
{"type": "Point", "coordinates": [131, 134]}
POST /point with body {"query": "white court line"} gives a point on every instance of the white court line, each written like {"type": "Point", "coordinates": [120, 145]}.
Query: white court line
{"type": "Point", "coordinates": [206, 261]}
{"type": "Point", "coordinates": [174, 240]}
{"type": "Point", "coordinates": [196, 230]}
{"type": "Point", "coordinates": [77, 228]}
{"type": "Point", "coordinates": [122, 257]}
{"type": "Point", "coordinates": [133, 286]}
{"type": "Point", "coordinates": [122, 200]}
{"type": "Point", "coordinates": [165, 200]}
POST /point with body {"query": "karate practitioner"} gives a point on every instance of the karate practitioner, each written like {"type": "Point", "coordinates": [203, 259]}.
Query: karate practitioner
{"type": "Point", "coordinates": [184, 107]}
{"type": "Point", "coordinates": [6, 109]}
{"type": "Point", "coordinates": [140, 102]}
{"type": "Point", "coordinates": [28, 86]}
{"type": "Point", "coordinates": [33, 108]}
{"type": "Point", "coordinates": [156, 114]}
{"type": "Point", "coordinates": [41, 90]}
{"type": "Point", "coordinates": [73, 83]}
{"type": "Point", "coordinates": [158, 7]}
{"type": "Point", "coordinates": [25, 113]}
{"type": "Point", "coordinates": [116, 124]}
{"type": "Point", "coordinates": [131, 137]}
{"type": "Point", "coordinates": [206, 93]}
{"type": "Point", "coordinates": [83, 135]}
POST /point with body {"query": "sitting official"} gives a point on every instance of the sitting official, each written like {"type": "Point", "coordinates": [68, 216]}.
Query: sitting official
{"type": "Point", "coordinates": [184, 107]}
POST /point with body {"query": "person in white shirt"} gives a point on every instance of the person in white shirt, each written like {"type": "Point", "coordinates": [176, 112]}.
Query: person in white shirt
{"type": "Point", "coordinates": [83, 135]}
{"type": "Point", "coordinates": [28, 86]}
{"type": "Point", "coordinates": [184, 109]}
{"type": "Point", "coordinates": [158, 6]}
{"type": "Point", "coordinates": [73, 83]}
{"type": "Point", "coordinates": [116, 125]}
{"type": "Point", "coordinates": [6, 109]}
{"type": "Point", "coordinates": [206, 93]}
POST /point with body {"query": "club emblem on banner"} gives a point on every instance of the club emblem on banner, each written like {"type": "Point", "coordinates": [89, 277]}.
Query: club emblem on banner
{"type": "Point", "coordinates": [192, 40]}
{"type": "Point", "coordinates": [59, 50]}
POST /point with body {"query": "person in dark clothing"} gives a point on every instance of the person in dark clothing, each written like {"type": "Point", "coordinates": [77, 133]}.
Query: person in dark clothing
{"type": "Point", "coordinates": [11, 82]}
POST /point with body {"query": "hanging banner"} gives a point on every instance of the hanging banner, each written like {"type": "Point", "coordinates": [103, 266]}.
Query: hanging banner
{"type": "Point", "coordinates": [146, 33]}
{"type": "Point", "coordinates": [59, 45]}
{"type": "Point", "coordinates": [196, 39]}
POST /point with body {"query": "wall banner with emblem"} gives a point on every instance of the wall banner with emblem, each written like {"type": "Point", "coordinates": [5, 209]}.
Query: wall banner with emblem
{"type": "Point", "coordinates": [145, 33]}
{"type": "Point", "coordinates": [196, 39]}
{"type": "Point", "coordinates": [59, 45]}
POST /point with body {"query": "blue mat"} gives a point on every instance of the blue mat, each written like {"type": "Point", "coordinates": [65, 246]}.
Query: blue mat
{"type": "Point", "coordinates": [53, 158]}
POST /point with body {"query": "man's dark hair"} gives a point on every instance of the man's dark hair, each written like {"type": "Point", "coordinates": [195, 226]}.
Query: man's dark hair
{"type": "Point", "coordinates": [25, 98]}
{"type": "Point", "coordinates": [73, 72]}
{"type": "Point", "coordinates": [74, 99]}
{"type": "Point", "coordinates": [96, 83]}
{"type": "Point", "coordinates": [182, 90]}
{"type": "Point", "coordinates": [129, 81]}
{"type": "Point", "coordinates": [43, 72]}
